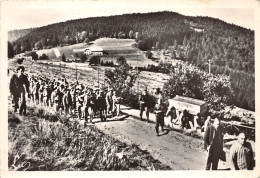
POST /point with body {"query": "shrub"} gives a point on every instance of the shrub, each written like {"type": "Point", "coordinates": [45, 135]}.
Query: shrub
{"type": "Point", "coordinates": [43, 57]}
{"type": "Point", "coordinates": [95, 60]}
{"type": "Point", "coordinates": [20, 60]}
{"type": "Point", "coordinates": [121, 79]}
{"type": "Point", "coordinates": [149, 54]}
{"type": "Point", "coordinates": [216, 90]}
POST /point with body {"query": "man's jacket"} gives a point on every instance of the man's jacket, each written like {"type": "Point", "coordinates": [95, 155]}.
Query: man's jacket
{"type": "Point", "coordinates": [210, 134]}
{"type": "Point", "coordinates": [19, 84]}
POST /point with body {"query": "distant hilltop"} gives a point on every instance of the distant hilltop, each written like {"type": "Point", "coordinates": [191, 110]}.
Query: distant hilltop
{"type": "Point", "coordinates": [110, 26]}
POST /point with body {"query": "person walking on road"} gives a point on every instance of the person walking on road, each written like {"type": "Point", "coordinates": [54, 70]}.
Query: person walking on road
{"type": "Point", "coordinates": [116, 104]}
{"type": "Point", "coordinates": [19, 87]}
{"type": "Point", "coordinates": [109, 100]}
{"type": "Point", "coordinates": [144, 104]}
{"type": "Point", "coordinates": [158, 111]}
{"type": "Point", "coordinates": [213, 140]}
{"type": "Point", "coordinates": [241, 154]}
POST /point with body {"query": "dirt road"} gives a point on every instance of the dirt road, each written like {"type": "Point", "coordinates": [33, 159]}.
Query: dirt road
{"type": "Point", "coordinates": [177, 150]}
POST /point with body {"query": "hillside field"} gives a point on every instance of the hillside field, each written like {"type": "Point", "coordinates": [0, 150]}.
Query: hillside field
{"type": "Point", "coordinates": [113, 47]}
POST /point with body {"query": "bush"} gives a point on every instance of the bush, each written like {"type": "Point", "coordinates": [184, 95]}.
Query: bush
{"type": "Point", "coordinates": [20, 60]}
{"type": "Point", "coordinates": [149, 54]}
{"type": "Point", "coordinates": [43, 57]}
{"type": "Point", "coordinates": [63, 58]}
{"type": "Point", "coordinates": [34, 55]}
{"type": "Point", "coordinates": [107, 63]}
{"type": "Point", "coordinates": [122, 79]}
{"type": "Point", "coordinates": [83, 57]}
{"type": "Point", "coordinates": [216, 90]}
{"type": "Point", "coordinates": [95, 60]}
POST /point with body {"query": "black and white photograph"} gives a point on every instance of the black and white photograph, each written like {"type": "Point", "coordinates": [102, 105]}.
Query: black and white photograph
{"type": "Point", "coordinates": [139, 86]}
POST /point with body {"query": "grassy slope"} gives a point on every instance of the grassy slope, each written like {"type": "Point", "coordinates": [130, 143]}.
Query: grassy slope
{"type": "Point", "coordinates": [47, 141]}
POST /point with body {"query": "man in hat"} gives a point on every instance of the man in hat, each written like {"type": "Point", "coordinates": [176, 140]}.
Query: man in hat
{"type": "Point", "coordinates": [144, 104]}
{"type": "Point", "coordinates": [19, 86]}
{"type": "Point", "coordinates": [158, 111]}
{"type": "Point", "coordinates": [213, 140]}
{"type": "Point", "coordinates": [158, 95]}
{"type": "Point", "coordinates": [241, 155]}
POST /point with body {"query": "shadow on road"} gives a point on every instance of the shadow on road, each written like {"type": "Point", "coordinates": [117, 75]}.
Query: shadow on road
{"type": "Point", "coordinates": [113, 119]}
{"type": "Point", "coordinates": [166, 131]}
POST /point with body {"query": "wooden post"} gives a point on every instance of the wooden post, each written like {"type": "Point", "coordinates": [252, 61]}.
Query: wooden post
{"type": "Point", "coordinates": [76, 71]}
{"type": "Point", "coordinates": [209, 66]}
{"type": "Point", "coordinates": [137, 79]}
{"type": "Point", "coordinates": [98, 75]}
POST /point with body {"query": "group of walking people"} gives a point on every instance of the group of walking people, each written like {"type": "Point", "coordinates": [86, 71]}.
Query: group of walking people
{"type": "Point", "coordinates": [182, 118]}
{"type": "Point", "coordinates": [63, 96]}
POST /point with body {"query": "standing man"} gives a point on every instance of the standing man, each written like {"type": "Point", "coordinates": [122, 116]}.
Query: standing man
{"type": "Point", "coordinates": [19, 86]}
{"type": "Point", "coordinates": [144, 103]}
{"type": "Point", "coordinates": [116, 104]}
{"type": "Point", "coordinates": [85, 104]}
{"type": "Point", "coordinates": [213, 140]}
{"type": "Point", "coordinates": [67, 101]}
{"type": "Point", "coordinates": [91, 104]}
{"type": "Point", "coordinates": [101, 105]}
{"type": "Point", "coordinates": [206, 123]}
{"type": "Point", "coordinates": [109, 100]}
{"type": "Point", "coordinates": [241, 154]}
{"type": "Point", "coordinates": [158, 111]}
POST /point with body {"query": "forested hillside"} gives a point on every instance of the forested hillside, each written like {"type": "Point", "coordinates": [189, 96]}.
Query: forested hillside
{"type": "Point", "coordinates": [193, 39]}
{"type": "Point", "coordinates": [16, 34]}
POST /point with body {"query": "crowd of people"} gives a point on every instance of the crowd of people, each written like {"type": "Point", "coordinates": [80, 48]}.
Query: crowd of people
{"type": "Point", "coordinates": [75, 98]}
{"type": "Point", "coordinates": [63, 97]}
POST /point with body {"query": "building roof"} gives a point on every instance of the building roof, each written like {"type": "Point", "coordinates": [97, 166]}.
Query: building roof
{"type": "Point", "coordinates": [95, 49]}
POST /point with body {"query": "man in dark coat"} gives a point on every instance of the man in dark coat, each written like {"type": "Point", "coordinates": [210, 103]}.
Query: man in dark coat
{"type": "Point", "coordinates": [213, 140]}
{"type": "Point", "coordinates": [158, 111]}
{"type": "Point", "coordinates": [144, 103]}
{"type": "Point", "coordinates": [19, 86]}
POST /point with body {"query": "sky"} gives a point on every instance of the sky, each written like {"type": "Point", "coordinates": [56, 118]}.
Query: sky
{"type": "Point", "coordinates": [28, 14]}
